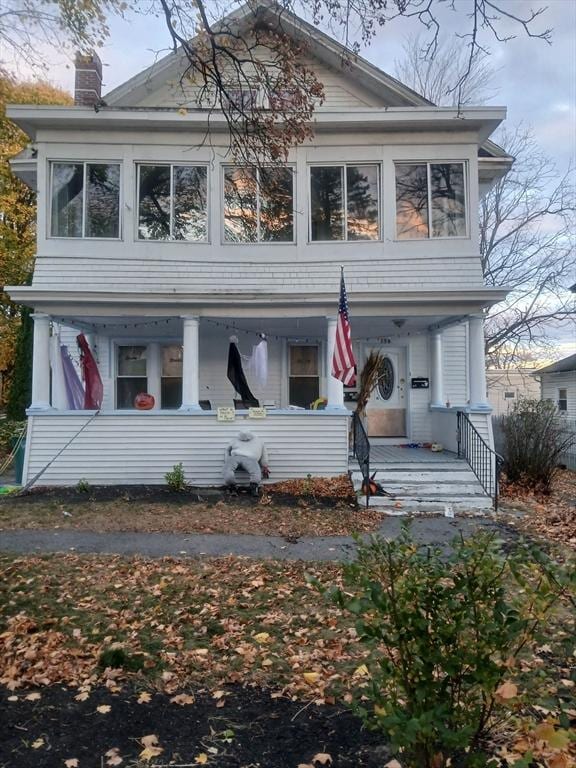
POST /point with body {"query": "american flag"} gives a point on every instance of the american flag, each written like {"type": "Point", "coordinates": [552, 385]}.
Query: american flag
{"type": "Point", "coordinates": [343, 362]}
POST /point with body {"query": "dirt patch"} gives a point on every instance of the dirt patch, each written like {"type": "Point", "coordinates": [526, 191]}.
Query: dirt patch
{"type": "Point", "coordinates": [551, 517]}
{"type": "Point", "coordinates": [251, 728]}
{"type": "Point", "coordinates": [300, 508]}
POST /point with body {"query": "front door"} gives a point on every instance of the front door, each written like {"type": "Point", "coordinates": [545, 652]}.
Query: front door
{"type": "Point", "coordinates": [386, 408]}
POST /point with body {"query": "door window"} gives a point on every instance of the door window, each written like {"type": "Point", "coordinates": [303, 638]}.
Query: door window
{"type": "Point", "coordinates": [386, 379]}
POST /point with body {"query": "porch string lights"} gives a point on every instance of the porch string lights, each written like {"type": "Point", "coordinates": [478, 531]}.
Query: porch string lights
{"type": "Point", "coordinates": [234, 329]}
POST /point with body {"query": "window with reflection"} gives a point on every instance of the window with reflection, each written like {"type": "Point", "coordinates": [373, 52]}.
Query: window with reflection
{"type": "Point", "coordinates": [344, 202]}
{"type": "Point", "coordinates": [171, 382]}
{"type": "Point", "coordinates": [85, 200]}
{"type": "Point", "coordinates": [430, 200]}
{"type": "Point", "coordinates": [173, 202]}
{"type": "Point", "coordinates": [131, 374]}
{"type": "Point", "coordinates": [258, 205]}
{"type": "Point", "coordinates": [304, 375]}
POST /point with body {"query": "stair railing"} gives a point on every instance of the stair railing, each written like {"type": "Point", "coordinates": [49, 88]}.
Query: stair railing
{"type": "Point", "coordinates": [361, 449]}
{"type": "Point", "coordinates": [483, 460]}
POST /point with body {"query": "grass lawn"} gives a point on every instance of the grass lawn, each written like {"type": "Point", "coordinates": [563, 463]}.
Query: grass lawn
{"type": "Point", "coordinates": [188, 651]}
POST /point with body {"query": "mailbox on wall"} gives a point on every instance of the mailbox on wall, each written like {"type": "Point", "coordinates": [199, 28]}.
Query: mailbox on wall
{"type": "Point", "coordinates": [420, 383]}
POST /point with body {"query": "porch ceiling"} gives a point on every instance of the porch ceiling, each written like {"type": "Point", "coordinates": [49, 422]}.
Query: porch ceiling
{"type": "Point", "coordinates": [296, 328]}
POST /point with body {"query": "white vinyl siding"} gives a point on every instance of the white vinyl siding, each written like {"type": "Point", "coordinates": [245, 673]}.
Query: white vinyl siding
{"type": "Point", "coordinates": [553, 382]}
{"type": "Point", "coordinates": [454, 361]}
{"type": "Point", "coordinates": [140, 448]}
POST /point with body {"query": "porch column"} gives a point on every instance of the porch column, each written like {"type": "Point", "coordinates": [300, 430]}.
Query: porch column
{"type": "Point", "coordinates": [477, 363]}
{"type": "Point", "coordinates": [437, 373]}
{"type": "Point", "coordinates": [155, 373]}
{"type": "Point", "coordinates": [41, 363]}
{"type": "Point", "coordinates": [190, 364]}
{"type": "Point", "coordinates": [334, 387]}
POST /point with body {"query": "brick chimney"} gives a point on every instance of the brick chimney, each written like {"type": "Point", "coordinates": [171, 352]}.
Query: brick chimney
{"type": "Point", "coordinates": [88, 81]}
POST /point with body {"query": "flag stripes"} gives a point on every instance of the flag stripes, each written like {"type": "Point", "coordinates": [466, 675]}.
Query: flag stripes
{"type": "Point", "coordinates": [343, 362]}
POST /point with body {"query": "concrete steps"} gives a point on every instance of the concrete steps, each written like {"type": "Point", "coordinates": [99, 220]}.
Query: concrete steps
{"type": "Point", "coordinates": [445, 486]}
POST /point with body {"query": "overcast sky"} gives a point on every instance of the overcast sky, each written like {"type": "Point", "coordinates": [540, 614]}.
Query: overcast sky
{"type": "Point", "coordinates": [537, 81]}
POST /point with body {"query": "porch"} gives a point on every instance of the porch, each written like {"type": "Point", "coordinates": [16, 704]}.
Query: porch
{"type": "Point", "coordinates": [181, 361]}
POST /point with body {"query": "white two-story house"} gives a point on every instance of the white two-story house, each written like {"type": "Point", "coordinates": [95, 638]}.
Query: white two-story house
{"type": "Point", "coordinates": [144, 247]}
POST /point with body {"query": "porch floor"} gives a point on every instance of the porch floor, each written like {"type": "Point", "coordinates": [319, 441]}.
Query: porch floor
{"type": "Point", "coordinates": [399, 454]}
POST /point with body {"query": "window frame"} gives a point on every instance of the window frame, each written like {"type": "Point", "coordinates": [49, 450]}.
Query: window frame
{"type": "Point", "coordinates": [319, 375]}
{"type": "Point", "coordinates": [223, 241]}
{"type": "Point", "coordinates": [343, 165]}
{"type": "Point", "coordinates": [171, 164]}
{"type": "Point", "coordinates": [428, 163]}
{"type": "Point", "coordinates": [561, 399]}
{"type": "Point", "coordinates": [177, 378]}
{"type": "Point", "coordinates": [85, 163]}
{"type": "Point", "coordinates": [117, 344]}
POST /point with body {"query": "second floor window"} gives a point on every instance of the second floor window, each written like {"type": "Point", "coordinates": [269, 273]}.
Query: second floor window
{"type": "Point", "coordinates": [344, 202]}
{"type": "Point", "coordinates": [258, 205]}
{"type": "Point", "coordinates": [430, 200]}
{"type": "Point", "coordinates": [85, 200]}
{"type": "Point", "coordinates": [172, 202]}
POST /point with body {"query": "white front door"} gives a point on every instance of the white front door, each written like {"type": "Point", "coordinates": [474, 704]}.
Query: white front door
{"type": "Point", "coordinates": [386, 408]}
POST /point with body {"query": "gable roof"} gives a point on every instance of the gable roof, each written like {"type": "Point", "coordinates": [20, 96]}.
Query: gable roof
{"type": "Point", "coordinates": [323, 47]}
{"type": "Point", "coordinates": [565, 365]}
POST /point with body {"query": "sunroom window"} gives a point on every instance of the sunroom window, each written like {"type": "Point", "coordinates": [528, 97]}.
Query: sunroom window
{"type": "Point", "coordinates": [173, 202]}
{"type": "Point", "coordinates": [344, 202]}
{"type": "Point", "coordinates": [258, 205]}
{"type": "Point", "coordinates": [171, 383]}
{"type": "Point", "coordinates": [85, 200]}
{"type": "Point", "coordinates": [430, 200]}
{"type": "Point", "coordinates": [304, 375]}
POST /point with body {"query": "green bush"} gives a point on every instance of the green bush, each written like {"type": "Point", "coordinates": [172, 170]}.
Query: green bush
{"type": "Point", "coordinates": [9, 430]}
{"type": "Point", "coordinates": [175, 479]}
{"type": "Point", "coordinates": [444, 631]}
{"type": "Point", "coordinates": [534, 441]}
{"type": "Point", "coordinates": [83, 486]}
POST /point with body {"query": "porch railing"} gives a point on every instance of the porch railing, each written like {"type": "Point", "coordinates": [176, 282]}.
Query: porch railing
{"type": "Point", "coordinates": [483, 461]}
{"type": "Point", "coordinates": [361, 448]}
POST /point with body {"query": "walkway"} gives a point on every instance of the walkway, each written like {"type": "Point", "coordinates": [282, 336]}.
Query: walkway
{"type": "Point", "coordinates": [429, 530]}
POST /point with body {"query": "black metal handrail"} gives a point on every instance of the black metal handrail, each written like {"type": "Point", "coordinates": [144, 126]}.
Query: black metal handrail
{"type": "Point", "coordinates": [483, 460]}
{"type": "Point", "coordinates": [361, 449]}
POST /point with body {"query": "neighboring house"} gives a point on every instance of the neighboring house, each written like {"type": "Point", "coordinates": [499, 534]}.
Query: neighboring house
{"type": "Point", "coordinates": [507, 385]}
{"type": "Point", "coordinates": [558, 384]}
{"type": "Point", "coordinates": [144, 245]}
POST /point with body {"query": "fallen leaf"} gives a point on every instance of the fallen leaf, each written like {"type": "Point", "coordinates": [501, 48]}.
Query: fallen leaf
{"type": "Point", "coordinates": [151, 748]}
{"type": "Point", "coordinates": [71, 762]}
{"type": "Point", "coordinates": [113, 757]}
{"type": "Point", "coordinates": [33, 696]}
{"type": "Point", "coordinates": [557, 739]}
{"type": "Point", "coordinates": [82, 696]}
{"type": "Point", "coordinates": [183, 699]}
{"type": "Point", "coordinates": [311, 677]}
{"type": "Point", "coordinates": [262, 637]}
{"type": "Point", "coordinates": [144, 698]}
{"type": "Point", "coordinates": [507, 691]}
{"type": "Point", "coordinates": [362, 671]}
{"type": "Point", "coordinates": [103, 709]}
{"type": "Point", "coordinates": [12, 698]}
{"type": "Point", "coordinates": [38, 743]}
{"type": "Point", "coordinates": [201, 759]}
{"type": "Point", "coordinates": [323, 758]}
{"type": "Point", "coordinates": [393, 764]}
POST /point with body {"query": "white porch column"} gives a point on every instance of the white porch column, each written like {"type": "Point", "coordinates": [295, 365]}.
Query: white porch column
{"type": "Point", "coordinates": [477, 363]}
{"type": "Point", "coordinates": [334, 387]}
{"type": "Point", "coordinates": [155, 373]}
{"type": "Point", "coordinates": [437, 373]}
{"type": "Point", "coordinates": [41, 363]}
{"type": "Point", "coordinates": [190, 365]}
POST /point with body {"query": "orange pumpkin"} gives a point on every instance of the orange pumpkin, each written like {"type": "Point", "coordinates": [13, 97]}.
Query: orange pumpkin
{"type": "Point", "coordinates": [144, 402]}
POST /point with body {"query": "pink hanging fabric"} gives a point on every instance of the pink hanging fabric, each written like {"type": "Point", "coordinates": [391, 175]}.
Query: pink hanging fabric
{"type": "Point", "coordinates": [94, 390]}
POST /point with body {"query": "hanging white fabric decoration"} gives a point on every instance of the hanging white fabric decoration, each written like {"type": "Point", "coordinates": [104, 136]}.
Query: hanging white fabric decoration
{"type": "Point", "coordinates": [59, 398]}
{"type": "Point", "coordinates": [258, 362]}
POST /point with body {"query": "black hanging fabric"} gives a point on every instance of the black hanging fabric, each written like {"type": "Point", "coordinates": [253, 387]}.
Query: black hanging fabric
{"type": "Point", "coordinates": [236, 376]}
